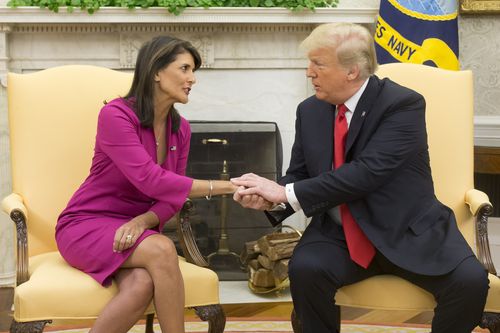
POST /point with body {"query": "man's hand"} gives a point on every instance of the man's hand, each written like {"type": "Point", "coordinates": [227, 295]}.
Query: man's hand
{"type": "Point", "coordinates": [253, 201]}
{"type": "Point", "coordinates": [263, 187]}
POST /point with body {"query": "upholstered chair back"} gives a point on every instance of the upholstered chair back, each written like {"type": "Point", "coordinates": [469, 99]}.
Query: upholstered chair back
{"type": "Point", "coordinates": [51, 113]}
{"type": "Point", "coordinates": [449, 117]}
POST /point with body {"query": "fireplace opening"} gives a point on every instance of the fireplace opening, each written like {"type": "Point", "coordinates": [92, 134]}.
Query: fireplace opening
{"type": "Point", "coordinates": [221, 150]}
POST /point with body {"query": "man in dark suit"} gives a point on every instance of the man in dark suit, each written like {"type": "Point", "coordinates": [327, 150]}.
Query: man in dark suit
{"type": "Point", "coordinates": [360, 168]}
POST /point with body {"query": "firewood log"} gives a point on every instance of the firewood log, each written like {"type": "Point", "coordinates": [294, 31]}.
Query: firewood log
{"type": "Point", "coordinates": [270, 268]}
{"type": "Point", "coordinates": [261, 278]}
{"type": "Point", "coordinates": [274, 239]}
{"type": "Point", "coordinates": [280, 270]}
{"type": "Point", "coordinates": [266, 262]}
{"type": "Point", "coordinates": [248, 253]}
{"type": "Point", "coordinates": [280, 251]}
{"type": "Point", "coordinates": [254, 263]}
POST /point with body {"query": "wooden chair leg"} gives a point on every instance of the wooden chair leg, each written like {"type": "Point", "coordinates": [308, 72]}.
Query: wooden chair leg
{"type": "Point", "coordinates": [215, 316]}
{"type": "Point", "coordinates": [28, 327]}
{"type": "Point", "coordinates": [491, 321]}
{"type": "Point", "coordinates": [149, 323]}
{"type": "Point", "coordinates": [297, 326]}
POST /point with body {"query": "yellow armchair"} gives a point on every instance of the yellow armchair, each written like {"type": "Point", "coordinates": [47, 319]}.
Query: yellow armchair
{"type": "Point", "coordinates": [449, 117]}
{"type": "Point", "coordinates": [52, 119]}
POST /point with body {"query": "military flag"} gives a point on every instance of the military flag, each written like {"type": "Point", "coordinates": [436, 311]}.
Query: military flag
{"type": "Point", "coordinates": [418, 31]}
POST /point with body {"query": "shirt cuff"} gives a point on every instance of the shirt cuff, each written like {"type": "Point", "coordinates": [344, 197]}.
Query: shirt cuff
{"type": "Point", "coordinates": [291, 198]}
{"type": "Point", "coordinates": [277, 207]}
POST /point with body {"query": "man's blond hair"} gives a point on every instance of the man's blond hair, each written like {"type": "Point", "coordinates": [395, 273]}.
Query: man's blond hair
{"type": "Point", "coordinates": [352, 43]}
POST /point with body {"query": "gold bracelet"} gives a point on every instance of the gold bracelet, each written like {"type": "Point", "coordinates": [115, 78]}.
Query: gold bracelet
{"type": "Point", "coordinates": [209, 196]}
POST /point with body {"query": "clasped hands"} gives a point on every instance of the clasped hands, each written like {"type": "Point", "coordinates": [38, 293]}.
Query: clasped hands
{"type": "Point", "coordinates": [257, 192]}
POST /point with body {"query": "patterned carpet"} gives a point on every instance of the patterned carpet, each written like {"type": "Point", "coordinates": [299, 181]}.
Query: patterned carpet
{"type": "Point", "coordinates": [271, 326]}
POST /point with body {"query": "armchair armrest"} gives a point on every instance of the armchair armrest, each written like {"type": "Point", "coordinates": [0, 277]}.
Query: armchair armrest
{"type": "Point", "coordinates": [185, 233]}
{"type": "Point", "coordinates": [14, 206]}
{"type": "Point", "coordinates": [481, 208]}
{"type": "Point", "coordinates": [477, 200]}
{"type": "Point", "coordinates": [14, 202]}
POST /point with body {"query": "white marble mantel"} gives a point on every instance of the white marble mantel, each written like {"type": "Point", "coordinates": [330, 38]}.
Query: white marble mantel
{"type": "Point", "coordinates": [252, 68]}
{"type": "Point", "coordinates": [362, 12]}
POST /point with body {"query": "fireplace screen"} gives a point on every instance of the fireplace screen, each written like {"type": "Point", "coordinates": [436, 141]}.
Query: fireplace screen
{"type": "Point", "coordinates": [221, 150]}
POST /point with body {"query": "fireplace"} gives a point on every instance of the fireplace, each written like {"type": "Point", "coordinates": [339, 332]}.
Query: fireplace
{"type": "Point", "coordinates": [221, 150]}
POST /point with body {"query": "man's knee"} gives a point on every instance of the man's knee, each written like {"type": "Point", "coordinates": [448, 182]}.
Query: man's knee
{"type": "Point", "coordinates": [307, 271]}
{"type": "Point", "coordinates": [477, 282]}
{"type": "Point", "coordinates": [470, 279]}
{"type": "Point", "coordinates": [301, 268]}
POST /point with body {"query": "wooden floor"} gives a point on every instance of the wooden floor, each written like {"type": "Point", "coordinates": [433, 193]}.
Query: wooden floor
{"type": "Point", "coordinates": [6, 295]}
{"type": "Point", "coordinates": [274, 310]}
{"type": "Point", "coordinates": [283, 310]}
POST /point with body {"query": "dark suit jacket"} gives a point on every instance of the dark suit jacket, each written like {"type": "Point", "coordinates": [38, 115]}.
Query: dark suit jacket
{"type": "Point", "coordinates": [386, 180]}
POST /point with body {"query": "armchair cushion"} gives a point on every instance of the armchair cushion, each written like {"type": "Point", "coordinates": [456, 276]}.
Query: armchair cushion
{"type": "Point", "coordinates": [385, 292]}
{"type": "Point", "coordinates": [58, 291]}
{"type": "Point", "coordinates": [493, 301]}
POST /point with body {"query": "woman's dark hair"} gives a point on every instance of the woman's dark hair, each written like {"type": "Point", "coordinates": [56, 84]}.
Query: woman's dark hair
{"type": "Point", "coordinates": [153, 56]}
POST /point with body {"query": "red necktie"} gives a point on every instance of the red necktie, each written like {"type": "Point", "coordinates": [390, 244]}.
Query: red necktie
{"type": "Point", "coordinates": [360, 248]}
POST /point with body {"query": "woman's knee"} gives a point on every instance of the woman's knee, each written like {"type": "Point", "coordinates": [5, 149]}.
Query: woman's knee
{"type": "Point", "coordinates": [137, 282]}
{"type": "Point", "coordinates": [142, 279]}
{"type": "Point", "coordinates": [165, 247]}
{"type": "Point", "coordinates": [161, 252]}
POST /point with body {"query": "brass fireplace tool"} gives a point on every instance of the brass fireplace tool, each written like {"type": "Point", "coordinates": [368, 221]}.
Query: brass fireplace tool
{"type": "Point", "coordinates": [223, 258]}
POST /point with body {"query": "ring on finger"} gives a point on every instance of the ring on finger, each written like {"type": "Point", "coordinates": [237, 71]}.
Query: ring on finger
{"type": "Point", "coordinates": [128, 238]}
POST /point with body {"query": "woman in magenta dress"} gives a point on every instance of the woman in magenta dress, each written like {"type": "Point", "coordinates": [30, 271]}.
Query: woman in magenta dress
{"type": "Point", "coordinates": [111, 226]}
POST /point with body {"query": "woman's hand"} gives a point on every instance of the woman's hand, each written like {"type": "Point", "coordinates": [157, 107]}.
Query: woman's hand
{"type": "Point", "coordinates": [251, 184]}
{"type": "Point", "coordinates": [234, 188]}
{"type": "Point", "coordinates": [127, 234]}
{"type": "Point", "coordinates": [252, 201]}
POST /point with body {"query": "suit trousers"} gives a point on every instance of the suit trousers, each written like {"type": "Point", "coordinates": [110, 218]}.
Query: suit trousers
{"type": "Point", "coordinates": [320, 265]}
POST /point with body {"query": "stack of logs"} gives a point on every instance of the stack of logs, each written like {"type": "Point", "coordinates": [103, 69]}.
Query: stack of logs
{"type": "Point", "coordinates": [267, 258]}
